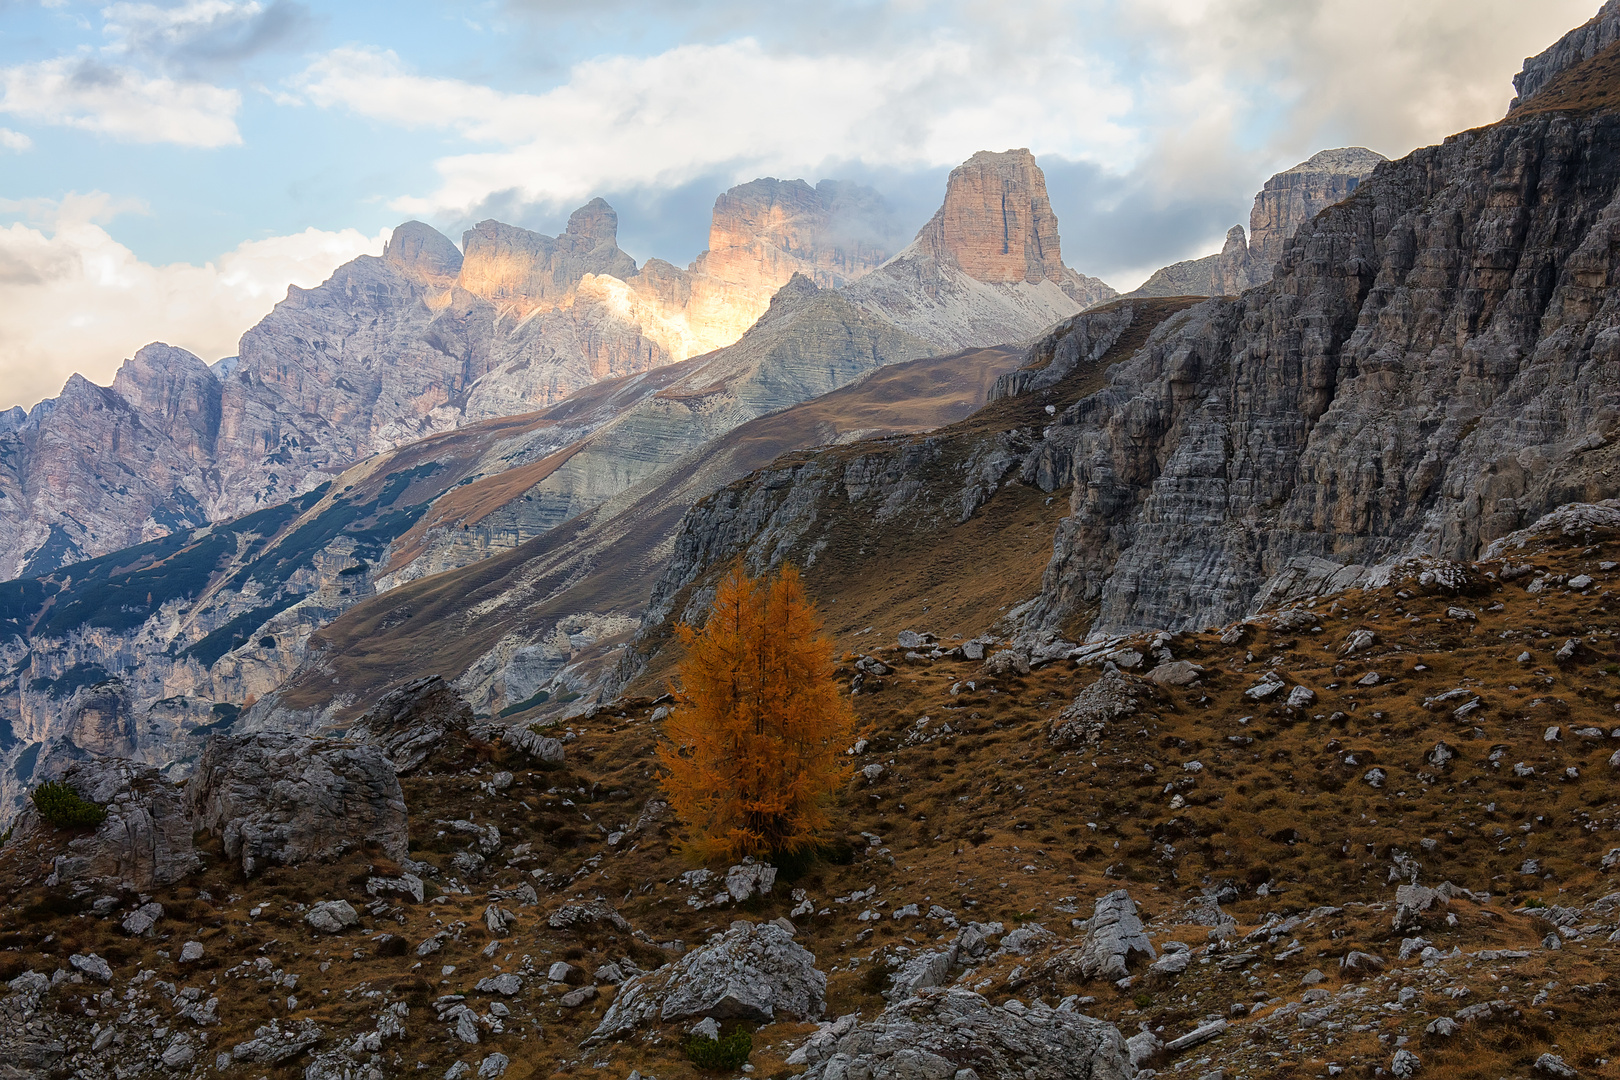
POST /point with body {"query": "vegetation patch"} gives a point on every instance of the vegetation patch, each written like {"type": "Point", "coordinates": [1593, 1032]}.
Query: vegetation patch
{"type": "Point", "coordinates": [63, 807]}
{"type": "Point", "coordinates": [725, 1054]}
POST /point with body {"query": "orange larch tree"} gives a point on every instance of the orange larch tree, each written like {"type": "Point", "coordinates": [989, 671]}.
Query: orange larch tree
{"type": "Point", "coordinates": [753, 746]}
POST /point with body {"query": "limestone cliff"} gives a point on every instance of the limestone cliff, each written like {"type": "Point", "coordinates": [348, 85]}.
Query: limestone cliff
{"type": "Point", "coordinates": [1579, 45]}
{"type": "Point", "coordinates": [1435, 364]}
{"type": "Point", "coordinates": [988, 268]}
{"type": "Point", "coordinates": [1288, 200]}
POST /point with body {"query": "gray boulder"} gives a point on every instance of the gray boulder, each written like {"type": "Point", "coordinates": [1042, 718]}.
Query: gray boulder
{"type": "Point", "coordinates": [273, 1044]}
{"type": "Point", "coordinates": [1115, 939]}
{"type": "Point", "coordinates": [754, 971]}
{"type": "Point", "coordinates": [577, 916]}
{"type": "Point", "coordinates": [331, 916]}
{"type": "Point", "coordinates": [750, 879]}
{"type": "Point", "coordinates": [282, 798]}
{"type": "Point", "coordinates": [145, 840]}
{"type": "Point", "coordinates": [543, 748]}
{"type": "Point", "coordinates": [408, 723]}
{"type": "Point", "coordinates": [931, 1035]}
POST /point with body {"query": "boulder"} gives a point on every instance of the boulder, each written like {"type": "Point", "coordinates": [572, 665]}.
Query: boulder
{"type": "Point", "coordinates": [331, 916]}
{"type": "Point", "coordinates": [408, 723]}
{"type": "Point", "coordinates": [754, 971]}
{"type": "Point", "coordinates": [1413, 902]}
{"type": "Point", "coordinates": [282, 798]}
{"type": "Point", "coordinates": [575, 916]}
{"type": "Point", "coordinates": [1006, 662]}
{"type": "Point", "coordinates": [749, 879]}
{"type": "Point", "coordinates": [273, 1044]}
{"type": "Point", "coordinates": [1175, 673]}
{"type": "Point", "coordinates": [139, 922]}
{"type": "Point", "coordinates": [145, 840]}
{"type": "Point", "coordinates": [1114, 939]}
{"type": "Point", "coordinates": [527, 738]}
{"type": "Point", "coordinates": [1112, 697]}
{"type": "Point", "coordinates": [925, 1038]}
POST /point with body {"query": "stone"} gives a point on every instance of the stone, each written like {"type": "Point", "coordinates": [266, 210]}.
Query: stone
{"type": "Point", "coordinates": [1374, 778]}
{"type": "Point", "coordinates": [1580, 582]}
{"type": "Point", "coordinates": [1199, 1035]}
{"type": "Point", "coordinates": [1405, 1064]}
{"type": "Point", "coordinates": [1358, 641]}
{"type": "Point", "coordinates": [1005, 663]}
{"type": "Point", "coordinates": [1360, 962]}
{"type": "Point", "coordinates": [191, 952]}
{"type": "Point", "coordinates": [1312, 977]}
{"type": "Point", "coordinates": [575, 998]}
{"type": "Point", "coordinates": [1115, 939]}
{"type": "Point", "coordinates": [754, 971]}
{"type": "Point", "coordinates": [921, 1037]}
{"type": "Point", "coordinates": [1175, 673]}
{"type": "Point", "coordinates": [1114, 696]}
{"type": "Point", "coordinates": [1301, 697]}
{"type": "Point", "coordinates": [1443, 1027]}
{"type": "Point", "coordinates": [563, 972]}
{"type": "Point", "coordinates": [493, 1067]}
{"type": "Point", "coordinates": [410, 722]}
{"type": "Point", "coordinates": [922, 971]}
{"type": "Point", "coordinates": [1267, 687]}
{"type": "Point", "coordinates": [139, 922]}
{"type": "Point", "coordinates": [458, 1070]}
{"type": "Point", "coordinates": [1441, 756]}
{"type": "Point", "coordinates": [179, 1052]}
{"type": "Point", "coordinates": [1568, 651]}
{"type": "Point", "coordinates": [283, 799]}
{"type": "Point", "coordinates": [594, 913]}
{"type": "Point", "coordinates": [1413, 902]}
{"type": "Point", "coordinates": [92, 965]}
{"type": "Point", "coordinates": [273, 1044]}
{"type": "Point", "coordinates": [542, 748]}
{"type": "Point", "coordinates": [749, 879]}
{"type": "Point", "coordinates": [1550, 1064]}
{"type": "Point", "coordinates": [708, 1027]}
{"type": "Point", "coordinates": [506, 984]}
{"type": "Point", "coordinates": [331, 916]}
{"type": "Point", "coordinates": [872, 772]}
{"type": "Point", "coordinates": [146, 839]}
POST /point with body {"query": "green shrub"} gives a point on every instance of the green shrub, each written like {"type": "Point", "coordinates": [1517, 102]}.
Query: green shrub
{"type": "Point", "coordinates": [61, 806]}
{"type": "Point", "coordinates": [725, 1054]}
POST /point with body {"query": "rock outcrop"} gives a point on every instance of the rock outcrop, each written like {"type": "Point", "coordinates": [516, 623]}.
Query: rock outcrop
{"type": "Point", "coordinates": [145, 840]}
{"type": "Point", "coordinates": [754, 971]}
{"type": "Point", "coordinates": [939, 1034]}
{"type": "Point", "coordinates": [411, 722]}
{"type": "Point", "coordinates": [281, 799]}
{"type": "Point", "coordinates": [1288, 200]}
{"type": "Point", "coordinates": [988, 268]}
{"type": "Point", "coordinates": [1579, 45]}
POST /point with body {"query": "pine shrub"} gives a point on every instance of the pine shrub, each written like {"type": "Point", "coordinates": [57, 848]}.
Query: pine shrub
{"type": "Point", "coordinates": [61, 806]}
{"type": "Point", "coordinates": [725, 1054]}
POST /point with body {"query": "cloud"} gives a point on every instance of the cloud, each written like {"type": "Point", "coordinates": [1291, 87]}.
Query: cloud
{"type": "Point", "coordinates": [205, 33]}
{"type": "Point", "coordinates": [79, 92]}
{"type": "Point", "coordinates": [735, 109]}
{"type": "Point", "coordinates": [74, 299]}
{"type": "Point", "coordinates": [15, 141]}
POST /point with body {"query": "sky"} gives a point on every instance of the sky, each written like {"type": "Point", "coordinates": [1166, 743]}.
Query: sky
{"type": "Point", "coordinates": [167, 169]}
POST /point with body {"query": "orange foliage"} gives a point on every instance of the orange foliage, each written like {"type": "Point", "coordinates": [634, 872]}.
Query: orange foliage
{"type": "Point", "coordinates": [753, 745]}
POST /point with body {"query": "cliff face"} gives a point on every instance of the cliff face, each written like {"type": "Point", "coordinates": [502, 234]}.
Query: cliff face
{"type": "Point", "coordinates": [1435, 364]}
{"type": "Point", "coordinates": [1579, 45]}
{"type": "Point", "coordinates": [1287, 201]}
{"type": "Point", "coordinates": [988, 268]}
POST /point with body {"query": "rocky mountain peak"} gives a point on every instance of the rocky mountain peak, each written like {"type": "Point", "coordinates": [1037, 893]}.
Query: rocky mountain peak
{"type": "Point", "coordinates": [175, 392]}
{"type": "Point", "coordinates": [512, 265]}
{"type": "Point", "coordinates": [423, 254]}
{"type": "Point", "coordinates": [1294, 196]}
{"type": "Point", "coordinates": [593, 225]}
{"type": "Point", "coordinates": [996, 223]}
{"type": "Point", "coordinates": [1581, 43]}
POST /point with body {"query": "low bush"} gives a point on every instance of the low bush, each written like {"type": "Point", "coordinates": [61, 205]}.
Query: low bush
{"type": "Point", "coordinates": [61, 806]}
{"type": "Point", "coordinates": [725, 1054]}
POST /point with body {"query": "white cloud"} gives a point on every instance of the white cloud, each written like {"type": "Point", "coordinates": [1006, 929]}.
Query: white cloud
{"type": "Point", "coordinates": [155, 27]}
{"type": "Point", "coordinates": [82, 93]}
{"type": "Point", "coordinates": [691, 111]}
{"type": "Point", "coordinates": [74, 299]}
{"type": "Point", "coordinates": [15, 140]}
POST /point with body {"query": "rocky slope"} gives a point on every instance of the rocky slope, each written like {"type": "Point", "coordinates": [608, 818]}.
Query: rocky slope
{"type": "Point", "coordinates": [1287, 201]}
{"type": "Point", "coordinates": [1412, 869]}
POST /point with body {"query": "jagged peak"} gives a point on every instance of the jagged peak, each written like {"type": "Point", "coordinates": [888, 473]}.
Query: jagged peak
{"type": "Point", "coordinates": [595, 221]}
{"type": "Point", "coordinates": [1579, 45]}
{"type": "Point", "coordinates": [422, 253]}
